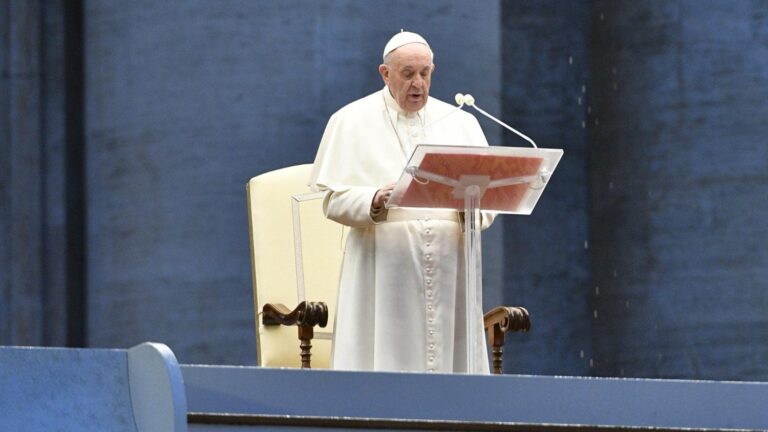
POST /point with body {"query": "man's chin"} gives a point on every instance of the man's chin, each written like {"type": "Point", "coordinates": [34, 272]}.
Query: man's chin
{"type": "Point", "coordinates": [415, 104]}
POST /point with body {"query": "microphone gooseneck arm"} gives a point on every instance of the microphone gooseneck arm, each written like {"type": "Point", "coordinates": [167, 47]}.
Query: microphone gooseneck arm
{"type": "Point", "coordinates": [462, 99]}
{"type": "Point", "coordinates": [444, 116]}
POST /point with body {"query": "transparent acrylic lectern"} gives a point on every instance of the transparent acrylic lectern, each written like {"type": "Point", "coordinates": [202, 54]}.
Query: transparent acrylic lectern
{"type": "Point", "coordinates": [500, 179]}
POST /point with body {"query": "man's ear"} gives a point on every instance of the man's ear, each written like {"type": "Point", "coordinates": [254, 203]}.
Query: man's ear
{"type": "Point", "coordinates": [384, 72]}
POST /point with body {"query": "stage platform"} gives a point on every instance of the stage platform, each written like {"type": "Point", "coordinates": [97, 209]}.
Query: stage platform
{"type": "Point", "coordinates": [145, 389]}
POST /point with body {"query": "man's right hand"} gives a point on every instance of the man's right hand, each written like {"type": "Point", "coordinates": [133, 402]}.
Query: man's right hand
{"type": "Point", "coordinates": [382, 196]}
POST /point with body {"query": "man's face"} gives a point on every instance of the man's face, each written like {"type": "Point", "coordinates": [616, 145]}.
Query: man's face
{"type": "Point", "coordinates": [407, 74]}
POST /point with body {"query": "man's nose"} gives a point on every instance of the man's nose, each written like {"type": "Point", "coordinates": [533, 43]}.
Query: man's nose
{"type": "Point", "coordinates": [417, 82]}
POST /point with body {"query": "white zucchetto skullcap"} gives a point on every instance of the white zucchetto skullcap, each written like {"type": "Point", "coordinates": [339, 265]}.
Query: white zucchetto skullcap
{"type": "Point", "coordinates": [403, 38]}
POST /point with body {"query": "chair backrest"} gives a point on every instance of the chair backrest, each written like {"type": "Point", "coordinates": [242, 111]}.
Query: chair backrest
{"type": "Point", "coordinates": [295, 256]}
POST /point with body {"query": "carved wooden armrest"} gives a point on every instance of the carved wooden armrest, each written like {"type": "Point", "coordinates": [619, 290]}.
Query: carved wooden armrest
{"type": "Point", "coordinates": [500, 320]}
{"type": "Point", "coordinates": [306, 316]}
{"type": "Point", "coordinates": [306, 313]}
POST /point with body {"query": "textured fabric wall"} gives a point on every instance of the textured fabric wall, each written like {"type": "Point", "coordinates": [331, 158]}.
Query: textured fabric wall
{"type": "Point", "coordinates": [678, 158]}
{"type": "Point", "coordinates": [547, 257]}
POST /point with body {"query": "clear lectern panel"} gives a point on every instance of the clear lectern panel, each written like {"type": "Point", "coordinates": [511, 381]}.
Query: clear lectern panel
{"type": "Point", "coordinates": [511, 179]}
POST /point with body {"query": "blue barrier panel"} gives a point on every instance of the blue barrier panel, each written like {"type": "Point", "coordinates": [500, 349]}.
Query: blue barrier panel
{"type": "Point", "coordinates": [508, 399]}
{"type": "Point", "coordinates": [60, 389]}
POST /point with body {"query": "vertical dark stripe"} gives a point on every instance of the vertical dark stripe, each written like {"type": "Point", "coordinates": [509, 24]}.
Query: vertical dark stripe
{"type": "Point", "coordinates": [77, 317]}
{"type": "Point", "coordinates": [5, 150]}
{"type": "Point", "coordinates": [44, 208]}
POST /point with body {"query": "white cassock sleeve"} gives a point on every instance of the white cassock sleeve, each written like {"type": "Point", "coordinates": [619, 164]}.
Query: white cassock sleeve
{"type": "Point", "coordinates": [351, 206]}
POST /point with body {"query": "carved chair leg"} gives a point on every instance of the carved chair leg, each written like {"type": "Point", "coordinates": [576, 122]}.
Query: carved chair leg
{"type": "Point", "coordinates": [497, 347]}
{"type": "Point", "coordinates": [306, 333]}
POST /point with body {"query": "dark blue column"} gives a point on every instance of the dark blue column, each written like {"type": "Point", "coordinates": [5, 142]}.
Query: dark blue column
{"type": "Point", "coordinates": [21, 185]}
{"type": "Point", "coordinates": [36, 248]}
{"type": "Point", "coordinates": [547, 254]}
{"type": "Point", "coordinates": [678, 157]}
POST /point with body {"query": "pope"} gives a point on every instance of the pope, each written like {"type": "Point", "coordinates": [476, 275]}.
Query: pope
{"type": "Point", "coordinates": [401, 295]}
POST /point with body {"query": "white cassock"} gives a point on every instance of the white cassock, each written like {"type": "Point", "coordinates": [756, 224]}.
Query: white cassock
{"type": "Point", "coordinates": [401, 303]}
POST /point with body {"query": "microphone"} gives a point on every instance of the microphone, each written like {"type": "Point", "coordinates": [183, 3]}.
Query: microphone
{"type": "Point", "coordinates": [468, 99]}
{"type": "Point", "coordinates": [464, 99]}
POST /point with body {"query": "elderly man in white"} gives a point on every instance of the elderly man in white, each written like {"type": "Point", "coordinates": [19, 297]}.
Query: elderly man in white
{"type": "Point", "coordinates": [401, 294]}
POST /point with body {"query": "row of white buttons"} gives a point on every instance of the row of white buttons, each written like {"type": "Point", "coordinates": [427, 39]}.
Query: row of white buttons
{"type": "Point", "coordinates": [428, 270]}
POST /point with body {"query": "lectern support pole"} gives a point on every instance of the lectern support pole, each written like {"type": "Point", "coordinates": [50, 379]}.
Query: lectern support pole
{"type": "Point", "coordinates": [473, 270]}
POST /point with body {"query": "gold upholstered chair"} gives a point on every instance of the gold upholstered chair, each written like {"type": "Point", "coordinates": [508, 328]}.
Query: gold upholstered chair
{"type": "Point", "coordinates": [296, 256]}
